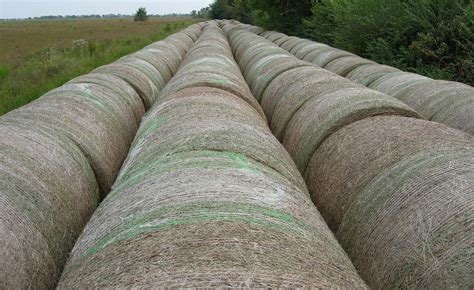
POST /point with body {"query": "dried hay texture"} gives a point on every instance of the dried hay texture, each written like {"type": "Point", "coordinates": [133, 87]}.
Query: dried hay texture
{"type": "Point", "coordinates": [291, 42]}
{"type": "Point", "coordinates": [450, 103]}
{"type": "Point", "coordinates": [301, 52]}
{"type": "Point", "coordinates": [149, 70]}
{"type": "Point", "coordinates": [392, 83]}
{"type": "Point", "coordinates": [120, 87]}
{"type": "Point", "coordinates": [160, 61]}
{"type": "Point", "coordinates": [325, 113]}
{"type": "Point", "coordinates": [344, 65]}
{"type": "Point", "coordinates": [279, 87]}
{"type": "Point", "coordinates": [135, 77]}
{"type": "Point", "coordinates": [325, 55]}
{"type": "Point", "coordinates": [367, 74]}
{"type": "Point", "coordinates": [48, 193]}
{"type": "Point", "coordinates": [205, 167]}
{"type": "Point", "coordinates": [397, 191]}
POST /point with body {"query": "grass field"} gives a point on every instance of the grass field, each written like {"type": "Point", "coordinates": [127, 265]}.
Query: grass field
{"type": "Point", "coordinates": [37, 56]}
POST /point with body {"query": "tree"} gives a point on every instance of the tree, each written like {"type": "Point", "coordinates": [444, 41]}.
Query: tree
{"type": "Point", "coordinates": [141, 14]}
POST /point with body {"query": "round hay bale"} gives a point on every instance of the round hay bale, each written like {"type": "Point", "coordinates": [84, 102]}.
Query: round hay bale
{"type": "Point", "coordinates": [228, 82]}
{"type": "Point", "coordinates": [290, 81]}
{"type": "Point", "coordinates": [291, 43]}
{"type": "Point", "coordinates": [150, 71]}
{"type": "Point", "coordinates": [88, 121]}
{"type": "Point", "coordinates": [219, 204]}
{"type": "Point", "coordinates": [136, 78]}
{"type": "Point", "coordinates": [345, 171]}
{"type": "Point", "coordinates": [313, 53]}
{"type": "Point", "coordinates": [305, 49]}
{"type": "Point", "coordinates": [344, 65]}
{"type": "Point", "coordinates": [368, 73]}
{"type": "Point", "coordinates": [416, 221]}
{"type": "Point", "coordinates": [456, 114]}
{"type": "Point", "coordinates": [274, 36]}
{"type": "Point", "coordinates": [328, 54]}
{"type": "Point", "coordinates": [119, 110]}
{"type": "Point", "coordinates": [392, 83]}
{"type": "Point", "coordinates": [282, 40]}
{"type": "Point", "coordinates": [302, 43]}
{"type": "Point", "coordinates": [167, 48]}
{"type": "Point", "coordinates": [48, 193]}
{"type": "Point", "coordinates": [426, 96]}
{"type": "Point", "coordinates": [120, 87]}
{"type": "Point", "coordinates": [252, 55]}
{"type": "Point", "coordinates": [159, 61]}
{"type": "Point", "coordinates": [352, 157]}
{"type": "Point", "coordinates": [262, 73]}
{"type": "Point", "coordinates": [171, 60]}
{"type": "Point", "coordinates": [321, 116]}
{"type": "Point", "coordinates": [288, 102]}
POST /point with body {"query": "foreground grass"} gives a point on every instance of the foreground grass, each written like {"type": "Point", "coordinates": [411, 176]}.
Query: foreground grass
{"type": "Point", "coordinates": [38, 56]}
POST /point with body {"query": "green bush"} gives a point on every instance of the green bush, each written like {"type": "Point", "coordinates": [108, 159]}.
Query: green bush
{"type": "Point", "coordinates": [430, 37]}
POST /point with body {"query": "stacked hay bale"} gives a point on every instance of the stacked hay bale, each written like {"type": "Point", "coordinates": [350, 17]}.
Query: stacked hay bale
{"type": "Point", "coordinates": [450, 103]}
{"type": "Point", "coordinates": [60, 154]}
{"type": "Point", "coordinates": [207, 198]}
{"type": "Point", "coordinates": [396, 190]}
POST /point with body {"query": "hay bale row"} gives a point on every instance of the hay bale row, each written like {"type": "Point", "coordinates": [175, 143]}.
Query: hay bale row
{"type": "Point", "coordinates": [397, 191]}
{"type": "Point", "coordinates": [304, 104]}
{"type": "Point", "coordinates": [207, 198]}
{"type": "Point", "coordinates": [60, 154]}
{"type": "Point", "coordinates": [450, 103]}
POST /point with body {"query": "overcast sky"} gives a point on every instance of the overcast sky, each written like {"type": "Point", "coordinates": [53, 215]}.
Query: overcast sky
{"type": "Point", "coordinates": [32, 8]}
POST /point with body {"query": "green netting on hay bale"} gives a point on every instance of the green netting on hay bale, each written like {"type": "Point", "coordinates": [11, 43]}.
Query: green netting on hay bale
{"type": "Point", "coordinates": [298, 94]}
{"type": "Point", "coordinates": [398, 158]}
{"type": "Point", "coordinates": [175, 130]}
{"type": "Point", "coordinates": [136, 78]}
{"type": "Point", "coordinates": [120, 87]}
{"type": "Point", "coordinates": [392, 83]}
{"type": "Point", "coordinates": [209, 201]}
{"type": "Point", "coordinates": [290, 84]}
{"type": "Point", "coordinates": [344, 65]}
{"type": "Point", "coordinates": [88, 121]}
{"type": "Point", "coordinates": [145, 67]}
{"type": "Point", "coordinates": [412, 226]}
{"type": "Point", "coordinates": [48, 193]}
{"type": "Point", "coordinates": [367, 74]}
{"type": "Point", "coordinates": [321, 116]}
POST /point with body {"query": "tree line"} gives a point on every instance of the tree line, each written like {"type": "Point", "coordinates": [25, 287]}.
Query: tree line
{"type": "Point", "coordinates": [430, 37]}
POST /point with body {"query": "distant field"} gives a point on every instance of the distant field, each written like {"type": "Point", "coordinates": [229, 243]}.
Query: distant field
{"type": "Point", "coordinates": [37, 56]}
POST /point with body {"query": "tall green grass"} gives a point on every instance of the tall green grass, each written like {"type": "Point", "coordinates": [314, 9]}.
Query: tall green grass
{"type": "Point", "coordinates": [52, 67]}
